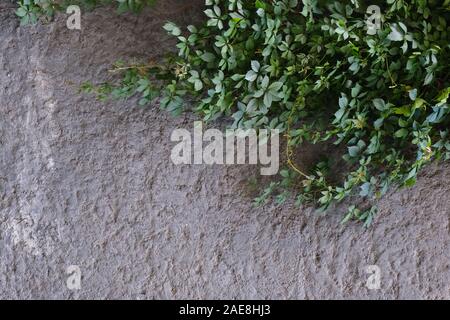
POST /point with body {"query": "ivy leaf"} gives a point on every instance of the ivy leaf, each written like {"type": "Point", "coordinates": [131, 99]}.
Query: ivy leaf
{"type": "Point", "coordinates": [172, 29]}
{"type": "Point", "coordinates": [251, 76]}
{"type": "Point", "coordinates": [379, 104]}
{"type": "Point", "coordinates": [401, 133]}
{"type": "Point", "coordinates": [208, 57]}
{"type": "Point", "coordinates": [428, 79]}
{"type": "Point", "coordinates": [366, 189]}
{"type": "Point", "coordinates": [353, 151]}
{"type": "Point", "coordinates": [255, 66]}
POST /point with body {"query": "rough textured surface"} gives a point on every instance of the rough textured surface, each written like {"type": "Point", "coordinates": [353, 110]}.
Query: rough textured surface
{"type": "Point", "coordinates": [91, 184]}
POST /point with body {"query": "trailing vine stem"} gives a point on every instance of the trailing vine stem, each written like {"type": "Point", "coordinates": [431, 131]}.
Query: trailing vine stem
{"type": "Point", "coordinates": [289, 151]}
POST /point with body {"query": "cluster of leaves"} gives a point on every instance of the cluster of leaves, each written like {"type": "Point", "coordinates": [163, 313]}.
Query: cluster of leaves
{"type": "Point", "coordinates": [310, 69]}
{"type": "Point", "coordinates": [30, 11]}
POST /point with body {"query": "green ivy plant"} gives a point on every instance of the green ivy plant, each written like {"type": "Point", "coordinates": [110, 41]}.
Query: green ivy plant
{"type": "Point", "coordinates": [310, 69]}
{"type": "Point", "coordinates": [30, 11]}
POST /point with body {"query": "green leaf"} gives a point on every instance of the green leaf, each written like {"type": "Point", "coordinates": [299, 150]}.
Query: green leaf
{"type": "Point", "coordinates": [401, 133]}
{"type": "Point", "coordinates": [251, 76]}
{"type": "Point", "coordinates": [353, 151]}
{"type": "Point", "coordinates": [413, 94]}
{"type": "Point", "coordinates": [428, 79]}
{"type": "Point", "coordinates": [21, 12]}
{"type": "Point", "coordinates": [379, 104]}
